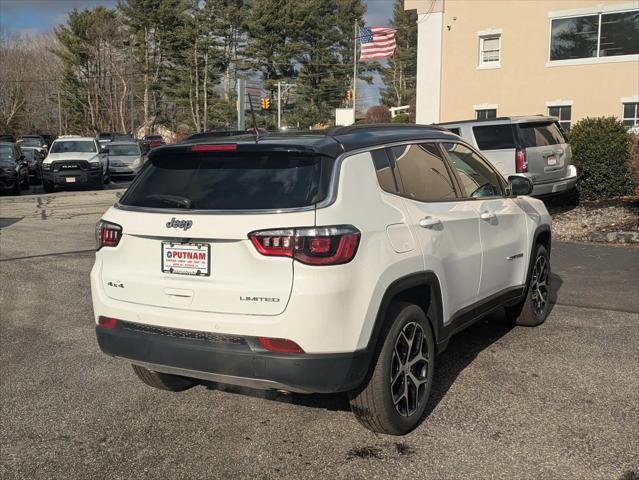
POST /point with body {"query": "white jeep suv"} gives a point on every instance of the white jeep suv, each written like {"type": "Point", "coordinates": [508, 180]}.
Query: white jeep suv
{"type": "Point", "coordinates": [340, 262]}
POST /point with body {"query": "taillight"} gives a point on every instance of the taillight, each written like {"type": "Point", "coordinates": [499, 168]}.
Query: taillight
{"type": "Point", "coordinates": [280, 345]}
{"type": "Point", "coordinates": [107, 323]}
{"type": "Point", "coordinates": [521, 165]}
{"type": "Point", "coordinates": [312, 246]}
{"type": "Point", "coordinates": [107, 234]}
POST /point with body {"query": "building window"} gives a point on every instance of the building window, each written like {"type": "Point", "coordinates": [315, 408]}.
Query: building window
{"type": "Point", "coordinates": [563, 113]}
{"type": "Point", "coordinates": [490, 50]}
{"type": "Point", "coordinates": [486, 113]}
{"type": "Point", "coordinates": [631, 114]}
{"type": "Point", "coordinates": [595, 36]}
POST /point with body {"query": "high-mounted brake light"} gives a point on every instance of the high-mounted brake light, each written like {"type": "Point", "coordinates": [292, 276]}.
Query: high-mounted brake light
{"type": "Point", "coordinates": [107, 234]}
{"type": "Point", "coordinates": [280, 345]}
{"type": "Point", "coordinates": [313, 246]}
{"type": "Point", "coordinates": [227, 147]}
{"type": "Point", "coordinates": [521, 165]}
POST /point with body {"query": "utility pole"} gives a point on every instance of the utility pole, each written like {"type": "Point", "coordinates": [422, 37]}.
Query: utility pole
{"type": "Point", "coordinates": [287, 87]}
{"type": "Point", "coordinates": [59, 115]}
{"type": "Point", "coordinates": [241, 103]}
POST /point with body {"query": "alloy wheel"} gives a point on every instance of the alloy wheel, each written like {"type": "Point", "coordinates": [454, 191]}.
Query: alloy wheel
{"type": "Point", "coordinates": [540, 286]}
{"type": "Point", "coordinates": [409, 369]}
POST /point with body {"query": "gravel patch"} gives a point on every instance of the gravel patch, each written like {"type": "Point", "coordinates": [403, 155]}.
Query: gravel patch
{"type": "Point", "coordinates": [606, 221]}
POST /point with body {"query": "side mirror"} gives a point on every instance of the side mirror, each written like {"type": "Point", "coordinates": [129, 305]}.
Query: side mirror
{"type": "Point", "coordinates": [520, 185]}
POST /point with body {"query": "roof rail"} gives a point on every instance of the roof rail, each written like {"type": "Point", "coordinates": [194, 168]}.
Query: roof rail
{"type": "Point", "coordinates": [371, 127]}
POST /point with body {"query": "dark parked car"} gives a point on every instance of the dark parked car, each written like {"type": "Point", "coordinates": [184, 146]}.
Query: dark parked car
{"type": "Point", "coordinates": [14, 173]}
{"type": "Point", "coordinates": [33, 157]}
{"type": "Point", "coordinates": [5, 137]}
{"type": "Point", "coordinates": [154, 140]}
{"type": "Point", "coordinates": [34, 141]}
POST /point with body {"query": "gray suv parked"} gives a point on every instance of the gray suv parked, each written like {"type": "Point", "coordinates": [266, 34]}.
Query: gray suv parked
{"type": "Point", "coordinates": [534, 147]}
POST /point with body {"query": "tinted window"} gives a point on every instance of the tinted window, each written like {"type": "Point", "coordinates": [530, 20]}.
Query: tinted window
{"type": "Point", "coordinates": [540, 134]}
{"type": "Point", "coordinates": [477, 178]}
{"type": "Point", "coordinates": [31, 142]}
{"type": "Point", "coordinates": [229, 181]}
{"type": "Point", "coordinates": [6, 155]}
{"type": "Point", "coordinates": [574, 37]}
{"type": "Point", "coordinates": [423, 172]}
{"type": "Point", "coordinates": [385, 174]}
{"type": "Point", "coordinates": [494, 137]}
{"type": "Point", "coordinates": [454, 130]}
{"type": "Point", "coordinates": [619, 34]}
{"type": "Point", "coordinates": [124, 150]}
{"type": "Point", "coordinates": [76, 146]}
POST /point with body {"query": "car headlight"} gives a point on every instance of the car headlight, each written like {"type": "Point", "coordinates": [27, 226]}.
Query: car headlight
{"type": "Point", "coordinates": [46, 166]}
{"type": "Point", "coordinates": [95, 164]}
{"type": "Point", "coordinates": [137, 163]}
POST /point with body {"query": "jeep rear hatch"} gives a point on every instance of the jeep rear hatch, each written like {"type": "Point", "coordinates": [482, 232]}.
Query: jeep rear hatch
{"type": "Point", "coordinates": [185, 223]}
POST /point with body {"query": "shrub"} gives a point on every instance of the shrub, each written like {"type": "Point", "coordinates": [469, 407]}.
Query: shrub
{"type": "Point", "coordinates": [633, 162]}
{"type": "Point", "coordinates": [378, 114]}
{"type": "Point", "coordinates": [601, 150]}
{"type": "Point", "coordinates": [401, 118]}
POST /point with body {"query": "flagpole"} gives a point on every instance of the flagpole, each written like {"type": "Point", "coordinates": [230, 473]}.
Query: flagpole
{"type": "Point", "coordinates": [355, 69]}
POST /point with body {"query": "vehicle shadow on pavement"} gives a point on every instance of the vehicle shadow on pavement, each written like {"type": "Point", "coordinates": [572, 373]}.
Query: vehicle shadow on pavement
{"type": "Point", "coordinates": [461, 352]}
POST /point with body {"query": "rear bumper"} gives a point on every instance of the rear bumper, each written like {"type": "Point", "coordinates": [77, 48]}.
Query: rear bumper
{"type": "Point", "coordinates": [557, 186]}
{"type": "Point", "coordinates": [233, 360]}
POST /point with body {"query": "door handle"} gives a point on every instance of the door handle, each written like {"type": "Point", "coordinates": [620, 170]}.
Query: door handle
{"type": "Point", "coordinates": [430, 222]}
{"type": "Point", "coordinates": [488, 216]}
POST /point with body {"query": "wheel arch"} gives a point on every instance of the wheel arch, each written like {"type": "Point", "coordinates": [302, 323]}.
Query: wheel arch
{"type": "Point", "coordinates": [422, 289]}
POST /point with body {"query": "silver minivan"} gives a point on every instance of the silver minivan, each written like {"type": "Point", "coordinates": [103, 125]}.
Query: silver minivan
{"type": "Point", "coordinates": [532, 146]}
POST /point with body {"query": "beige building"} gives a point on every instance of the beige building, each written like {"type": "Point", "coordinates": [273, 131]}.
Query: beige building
{"type": "Point", "coordinates": [567, 58]}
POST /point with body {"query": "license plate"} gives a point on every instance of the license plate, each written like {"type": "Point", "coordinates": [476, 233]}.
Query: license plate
{"type": "Point", "coordinates": [70, 179]}
{"type": "Point", "coordinates": [186, 258]}
{"type": "Point", "coordinates": [552, 160]}
{"type": "Point", "coordinates": [558, 187]}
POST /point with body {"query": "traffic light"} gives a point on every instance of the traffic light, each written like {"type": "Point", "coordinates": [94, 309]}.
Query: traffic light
{"type": "Point", "coordinates": [349, 95]}
{"type": "Point", "coordinates": [266, 103]}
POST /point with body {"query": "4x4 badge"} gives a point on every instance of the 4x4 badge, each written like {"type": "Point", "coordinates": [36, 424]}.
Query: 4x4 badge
{"type": "Point", "coordinates": [183, 224]}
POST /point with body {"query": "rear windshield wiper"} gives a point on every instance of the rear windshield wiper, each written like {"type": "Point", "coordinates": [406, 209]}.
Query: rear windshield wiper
{"type": "Point", "coordinates": [173, 200]}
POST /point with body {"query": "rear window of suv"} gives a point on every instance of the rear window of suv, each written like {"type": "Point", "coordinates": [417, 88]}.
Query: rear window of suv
{"type": "Point", "coordinates": [229, 181]}
{"type": "Point", "coordinates": [540, 134]}
{"type": "Point", "coordinates": [494, 137]}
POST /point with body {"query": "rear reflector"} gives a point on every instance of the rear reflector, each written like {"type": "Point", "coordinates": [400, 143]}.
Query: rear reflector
{"type": "Point", "coordinates": [107, 323]}
{"type": "Point", "coordinates": [313, 246]}
{"type": "Point", "coordinates": [280, 345]}
{"type": "Point", "coordinates": [228, 147]}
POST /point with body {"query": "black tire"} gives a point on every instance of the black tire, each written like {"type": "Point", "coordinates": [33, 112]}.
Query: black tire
{"type": "Point", "coordinates": [17, 189]}
{"type": "Point", "coordinates": [395, 406]}
{"type": "Point", "coordinates": [48, 186]}
{"type": "Point", "coordinates": [535, 308]}
{"type": "Point", "coordinates": [163, 381]}
{"type": "Point", "coordinates": [26, 185]}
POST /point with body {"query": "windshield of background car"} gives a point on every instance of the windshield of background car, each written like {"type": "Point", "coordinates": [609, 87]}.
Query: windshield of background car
{"type": "Point", "coordinates": [75, 146]}
{"type": "Point", "coordinates": [124, 150]}
{"type": "Point", "coordinates": [540, 134]}
{"type": "Point", "coordinates": [31, 142]}
{"type": "Point", "coordinates": [230, 181]}
{"type": "Point", "coordinates": [6, 155]}
{"type": "Point", "coordinates": [29, 154]}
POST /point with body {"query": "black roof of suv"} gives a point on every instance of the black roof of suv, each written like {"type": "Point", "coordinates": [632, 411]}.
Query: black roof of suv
{"type": "Point", "coordinates": [331, 142]}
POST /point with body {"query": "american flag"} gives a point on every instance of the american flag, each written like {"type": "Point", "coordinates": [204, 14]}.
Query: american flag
{"type": "Point", "coordinates": [377, 42]}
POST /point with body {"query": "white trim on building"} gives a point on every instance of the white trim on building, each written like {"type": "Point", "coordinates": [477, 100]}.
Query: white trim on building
{"type": "Point", "coordinates": [429, 67]}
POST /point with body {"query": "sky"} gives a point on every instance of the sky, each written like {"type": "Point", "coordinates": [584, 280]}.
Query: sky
{"type": "Point", "coordinates": [35, 16]}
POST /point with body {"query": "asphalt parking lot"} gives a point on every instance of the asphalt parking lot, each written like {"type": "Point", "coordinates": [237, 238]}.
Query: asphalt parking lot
{"type": "Point", "coordinates": [557, 401]}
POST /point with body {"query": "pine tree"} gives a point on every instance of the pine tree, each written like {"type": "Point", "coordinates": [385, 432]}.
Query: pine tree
{"type": "Point", "coordinates": [400, 74]}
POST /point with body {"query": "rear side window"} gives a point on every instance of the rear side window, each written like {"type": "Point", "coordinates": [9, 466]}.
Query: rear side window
{"type": "Point", "coordinates": [494, 137]}
{"type": "Point", "coordinates": [540, 134]}
{"type": "Point", "coordinates": [230, 181]}
{"type": "Point", "coordinates": [385, 175]}
{"type": "Point", "coordinates": [423, 172]}
{"type": "Point", "coordinates": [454, 130]}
